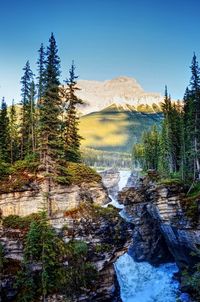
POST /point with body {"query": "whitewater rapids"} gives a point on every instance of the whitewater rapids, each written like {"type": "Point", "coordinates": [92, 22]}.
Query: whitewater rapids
{"type": "Point", "coordinates": [140, 281]}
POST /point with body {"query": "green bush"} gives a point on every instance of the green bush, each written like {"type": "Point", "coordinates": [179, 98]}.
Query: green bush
{"type": "Point", "coordinates": [81, 173]}
{"type": "Point", "coordinates": [30, 163]}
{"type": "Point", "coordinates": [103, 247]}
{"type": "Point", "coordinates": [76, 173]}
{"type": "Point", "coordinates": [17, 222]}
{"type": "Point", "coordinates": [4, 169]}
{"type": "Point", "coordinates": [193, 281]}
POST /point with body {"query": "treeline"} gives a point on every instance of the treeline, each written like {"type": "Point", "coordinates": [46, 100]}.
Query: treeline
{"type": "Point", "coordinates": [46, 122]}
{"type": "Point", "coordinates": [105, 159]}
{"type": "Point", "coordinates": [175, 150]}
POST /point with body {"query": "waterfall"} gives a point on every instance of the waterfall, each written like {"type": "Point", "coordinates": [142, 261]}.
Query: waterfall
{"type": "Point", "coordinates": [140, 281]}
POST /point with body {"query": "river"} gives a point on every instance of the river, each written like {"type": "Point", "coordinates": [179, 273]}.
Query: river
{"type": "Point", "coordinates": [140, 281]}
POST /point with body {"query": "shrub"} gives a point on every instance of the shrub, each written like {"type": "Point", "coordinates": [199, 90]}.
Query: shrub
{"type": "Point", "coordinates": [80, 173]}
{"type": "Point", "coordinates": [17, 222]}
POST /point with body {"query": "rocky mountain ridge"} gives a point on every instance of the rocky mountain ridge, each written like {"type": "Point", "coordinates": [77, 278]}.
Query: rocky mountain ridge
{"type": "Point", "coordinates": [123, 91]}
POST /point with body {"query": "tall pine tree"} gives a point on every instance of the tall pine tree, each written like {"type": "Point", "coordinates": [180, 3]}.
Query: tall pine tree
{"type": "Point", "coordinates": [192, 120]}
{"type": "Point", "coordinates": [49, 122]}
{"type": "Point", "coordinates": [26, 102]}
{"type": "Point", "coordinates": [71, 137]}
{"type": "Point", "coordinates": [41, 73]}
{"type": "Point", "coordinates": [14, 137]}
{"type": "Point", "coordinates": [4, 133]}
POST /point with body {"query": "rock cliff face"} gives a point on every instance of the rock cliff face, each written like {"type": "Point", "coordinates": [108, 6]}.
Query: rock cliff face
{"type": "Point", "coordinates": [63, 198]}
{"type": "Point", "coordinates": [106, 234]}
{"type": "Point", "coordinates": [161, 223]}
{"type": "Point", "coordinates": [110, 180]}
{"type": "Point", "coordinates": [79, 208]}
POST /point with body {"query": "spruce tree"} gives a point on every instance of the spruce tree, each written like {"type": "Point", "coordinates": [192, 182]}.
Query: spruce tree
{"type": "Point", "coordinates": [171, 136]}
{"type": "Point", "coordinates": [4, 133]}
{"type": "Point", "coordinates": [41, 246]}
{"type": "Point", "coordinates": [49, 122]}
{"type": "Point", "coordinates": [166, 138]}
{"type": "Point", "coordinates": [71, 137]}
{"type": "Point", "coordinates": [14, 137]}
{"type": "Point", "coordinates": [188, 129]}
{"type": "Point", "coordinates": [41, 73]}
{"type": "Point", "coordinates": [33, 118]}
{"type": "Point", "coordinates": [195, 110]}
{"type": "Point", "coordinates": [25, 125]}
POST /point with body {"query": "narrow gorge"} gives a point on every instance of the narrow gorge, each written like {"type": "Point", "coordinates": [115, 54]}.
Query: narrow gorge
{"type": "Point", "coordinates": [137, 231]}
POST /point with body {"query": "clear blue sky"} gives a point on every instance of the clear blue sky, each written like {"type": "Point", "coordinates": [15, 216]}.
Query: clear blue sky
{"type": "Point", "coordinates": [150, 40]}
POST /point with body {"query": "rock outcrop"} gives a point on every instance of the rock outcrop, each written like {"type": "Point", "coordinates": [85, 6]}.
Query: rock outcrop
{"type": "Point", "coordinates": [76, 214]}
{"type": "Point", "coordinates": [110, 180]}
{"type": "Point", "coordinates": [63, 198]}
{"type": "Point", "coordinates": [106, 234]}
{"type": "Point", "coordinates": [161, 223]}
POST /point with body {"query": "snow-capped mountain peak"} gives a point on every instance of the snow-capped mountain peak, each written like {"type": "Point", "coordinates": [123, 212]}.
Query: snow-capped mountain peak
{"type": "Point", "coordinates": [124, 91]}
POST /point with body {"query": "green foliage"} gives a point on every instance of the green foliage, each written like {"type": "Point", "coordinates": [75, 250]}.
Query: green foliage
{"type": "Point", "coordinates": [192, 281]}
{"type": "Point", "coordinates": [104, 159]}
{"type": "Point", "coordinates": [102, 248]}
{"type": "Point", "coordinates": [41, 246]}
{"type": "Point", "coordinates": [71, 121]}
{"type": "Point", "coordinates": [2, 259]}
{"type": "Point", "coordinates": [29, 163]}
{"type": "Point", "coordinates": [4, 133]}
{"type": "Point", "coordinates": [80, 273]}
{"type": "Point", "coordinates": [44, 249]}
{"type": "Point", "coordinates": [163, 151]}
{"type": "Point", "coordinates": [192, 122]}
{"type": "Point", "coordinates": [14, 134]}
{"type": "Point", "coordinates": [170, 181]}
{"type": "Point", "coordinates": [4, 169]}
{"type": "Point", "coordinates": [109, 213]}
{"type": "Point", "coordinates": [18, 222]}
{"type": "Point", "coordinates": [80, 173]}
{"type": "Point", "coordinates": [115, 130]}
{"type": "Point", "coordinates": [146, 154]}
{"type": "Point", "coordinates": [77, 249]}
{"type": "Point", "coordinates": [191, 203]}
{"type": "Point", "coordinates": [25, 285]}
{"type": "Point", "coordinates": [41, 73]}
{"type": "Point", "coordinates": [27, 122]}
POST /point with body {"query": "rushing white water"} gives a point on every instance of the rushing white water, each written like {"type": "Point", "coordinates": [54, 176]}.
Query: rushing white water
{"type": "Point", "coordinates": [140, 281]}
{"type": "Point", "coordinates": [124, 175]}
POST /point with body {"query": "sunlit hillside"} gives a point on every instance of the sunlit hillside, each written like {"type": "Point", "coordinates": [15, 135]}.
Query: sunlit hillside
{"type": "Point", "coordinates": [115, 128]}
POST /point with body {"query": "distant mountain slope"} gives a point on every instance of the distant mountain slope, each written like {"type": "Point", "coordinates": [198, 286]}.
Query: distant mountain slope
{"type": "Point", "coordinates": [116, 128]}
{"type": "Point", "coordinates": [121, 90]}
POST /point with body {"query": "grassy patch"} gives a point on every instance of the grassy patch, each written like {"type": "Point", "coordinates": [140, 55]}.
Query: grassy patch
{"type": "Point", "coordinates": [95, 212]}
{"type": "Point", "coordinates": [17, 177]}
{"type": "Point", "coordinates": [22, 223]}
{"type": "Point", "coordinates": [170, 181]}
{"type": "Point", "coordinates": [79, 173]}
{"type": "Point", "coordinates": [103, 247]}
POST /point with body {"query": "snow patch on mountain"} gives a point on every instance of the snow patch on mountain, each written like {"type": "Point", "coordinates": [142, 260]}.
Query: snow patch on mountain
{"type": "Point", "coordinates": [124, 91]}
